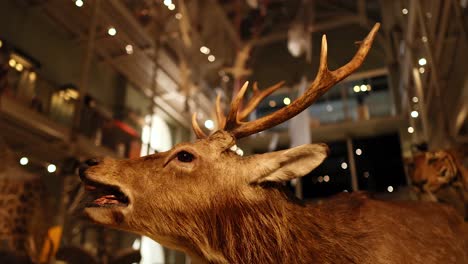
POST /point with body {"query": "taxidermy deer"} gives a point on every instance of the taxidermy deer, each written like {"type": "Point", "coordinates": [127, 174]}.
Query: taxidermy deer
{"type": "Point", "coordinates": [218, 207]}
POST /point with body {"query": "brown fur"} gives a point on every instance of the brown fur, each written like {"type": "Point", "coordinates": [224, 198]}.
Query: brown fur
{"type": "Point", "coordinates": [219, 210]}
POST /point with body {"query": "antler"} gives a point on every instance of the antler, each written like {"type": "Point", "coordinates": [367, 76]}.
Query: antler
{"type": "Point", "coordinates": [324, 80]}
{"type": "Point", "coordinates": [236, 116]}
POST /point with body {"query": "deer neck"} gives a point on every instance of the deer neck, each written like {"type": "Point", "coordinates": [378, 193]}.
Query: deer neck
{"type": "Point", "coordinates": [252, 232]}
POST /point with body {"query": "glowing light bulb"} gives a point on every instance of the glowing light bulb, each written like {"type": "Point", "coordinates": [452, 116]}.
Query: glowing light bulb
{"type": "Point", "coordinates": [390, 189]}
{"type": "Point", "coordinates": [211, 58]}
{"type": "Point", "coordinates": [112, 31]}
{"type": "Point", "coordinates": [414, 114]}
{"type": "Point", "coordinates": [286, 101]}
{"type": "Point", "coordinates": [24, 161]}
{"type": "Point", "coordinates": [344, 165]}
{"type": "Point", "coordinates": [358, 152]}
{"type": "Point", "coordinates": [422, 61]}
{"type": "Point", "coordinates": [51, 168]}
{"type": "Point", "coordinates": [410, 130]}
{"type": "Point", "coordinates": [129, 49]}
{"type": "Point", "coordinates": [209, 124]}
{"type": "Point", "coordinates": [79, 3]}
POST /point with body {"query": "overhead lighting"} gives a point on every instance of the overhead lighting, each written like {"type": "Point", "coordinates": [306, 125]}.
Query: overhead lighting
{"type": "Point", "coordinates": [422, 70]}
{"type": "Point", "coordinates": [112, 31]}
{"type": "Point", "coordinates": [358, 152]}
{"type": "Point", "coordinates": [211, 58]}
{"type": "Point", "coordinates": [286, 101]}
{"type": "Point", "coordinates": [344, 165]}
{"type": "Point", "coordinates": [326, 178]}
{"type": "Point", "coordinates": [129, 49]}
{"type": "Point", "coordinates": [32, 76]}
{"type": "Point", "coordinates": [363, 88]}
{"type": "Point", "coordinates": [415, 99]}
{"type": "Point", "coordinates": [410, 130]}
{"type": "Point", "coordinates": [209, 124]}
{"type": "Point", "coordinates": [414, 114]}
{"type": "Point", "coordinates": [178, 16]}
{"type": "Point", "coordinates": [79, 3]}
{"type": "Point", "coordinates": [12, 63]}
{"type": "Point", "coordinates": [272, 103]}
{"type": "Point", "coordinates": [19, 67]}
{"type": "Point", "coordinates": [390, 189]}
{"type": "Point", "coordinates": [329, 108]}
{"type": "Point", "coordinates": [51, 168]}
{"type": "Point", "coordinates": [204, 50]}
{"type": "Point", "coordinates": [24, 161]}
{"type": "Point", "coordinates": [356, 89]}
{"type": "Point", "coordinates": [171, 7]}
{"type": "Point", "coordinates": [404, 11]}
{"type": "Point", "coordinates": [422, 61]}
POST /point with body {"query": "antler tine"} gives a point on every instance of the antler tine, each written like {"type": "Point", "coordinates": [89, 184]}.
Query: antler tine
{"type": "Point", "coordinates": [232, 119]}
{"type": "Point", "coordinates": [257, 97]}
{"type": "Point", "coordinates": [323, 82]}
{"type": "Point", "coordinates": [219, 113]}
{"type": "Point", "coordinates": [196, 128]}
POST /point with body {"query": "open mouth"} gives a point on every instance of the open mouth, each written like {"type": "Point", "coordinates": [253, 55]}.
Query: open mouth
{"type": "Point", "coordinates": [103, 195]}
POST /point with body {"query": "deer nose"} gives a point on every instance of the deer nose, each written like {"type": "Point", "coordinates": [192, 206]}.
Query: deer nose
{"type": "Point", "coordinates": [85, 165]}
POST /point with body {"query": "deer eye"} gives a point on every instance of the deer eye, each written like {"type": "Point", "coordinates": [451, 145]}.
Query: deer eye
{"type": "Point", "coordinates": [185, 156]}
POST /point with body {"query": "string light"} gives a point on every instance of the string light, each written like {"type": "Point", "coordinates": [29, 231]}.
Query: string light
{"type": "Point", "coordinates": [272, 103]}
{"type": "Point", "coordinates": [1, 43]}
{"type": "Point", "coordinates": [24, 161]}
{"type": "Point", "coordinates": [414, 114]}
{"type": "Point", "coordinates": [358, 152]}
{"type": "Point", "coordinates": [129, 49]}
{"type": "Point", "coordinates": [320, 178]}
{"type": "Point", "coordinates": [421, 70]}
{"type": "Point", "coordinates": [178, 16]}
{"type": "Point", "coordinates": [209, 124]}
{"type": "Point", "coordinates": [390, 189]}
{"type": "Point", "coordinates": [356, 89]}
{"type": "Point", "coordinates": [415, 99]}
{"type": "Point", "coordinates": [344, 165]}
{"type": "Point", "coordinates": [211, 58]}
{"type": "Point", "coordinates": [410, 130]}
{"type": "Point", "coordinates": [422, 61]}
{"type": "Point", "coordinates": [51, 168]}
{"type": "Point", "coordinates": [204, 50]}
{"type": "Point", "coordinates": [424, 39]}
{"type": "Point", "coordinates": [363, 88]}
{"type": "Point", "coordinates": [326, 178]}
{"type": "Point", "coordinates": [329, 108]}
{"type": "Point", "coordinates": [112, 31]}
{"type": "Point", "coordinates": [171, 7]}
{"type": "Point", "coordinates": [286, 101]}
{"type": "Point", "coordinates": [79, 3]}
{"type": "Point", "coordinates": [404, 11]}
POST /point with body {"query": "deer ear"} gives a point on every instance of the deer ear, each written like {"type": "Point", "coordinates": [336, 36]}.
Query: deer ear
{"type": "Point", "coordinates": [288, 164]}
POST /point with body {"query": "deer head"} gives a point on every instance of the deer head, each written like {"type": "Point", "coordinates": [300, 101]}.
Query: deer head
{"type": "Point", "coordinates": [158, 195]}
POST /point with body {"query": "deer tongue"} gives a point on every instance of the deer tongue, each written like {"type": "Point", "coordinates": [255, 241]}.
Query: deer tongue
{"type": "Point", "coordinates": [107, 199]}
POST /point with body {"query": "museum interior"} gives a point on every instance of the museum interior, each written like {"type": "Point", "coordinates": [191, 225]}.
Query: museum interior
{"type": "Point", "coordinates": [121, 79]}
